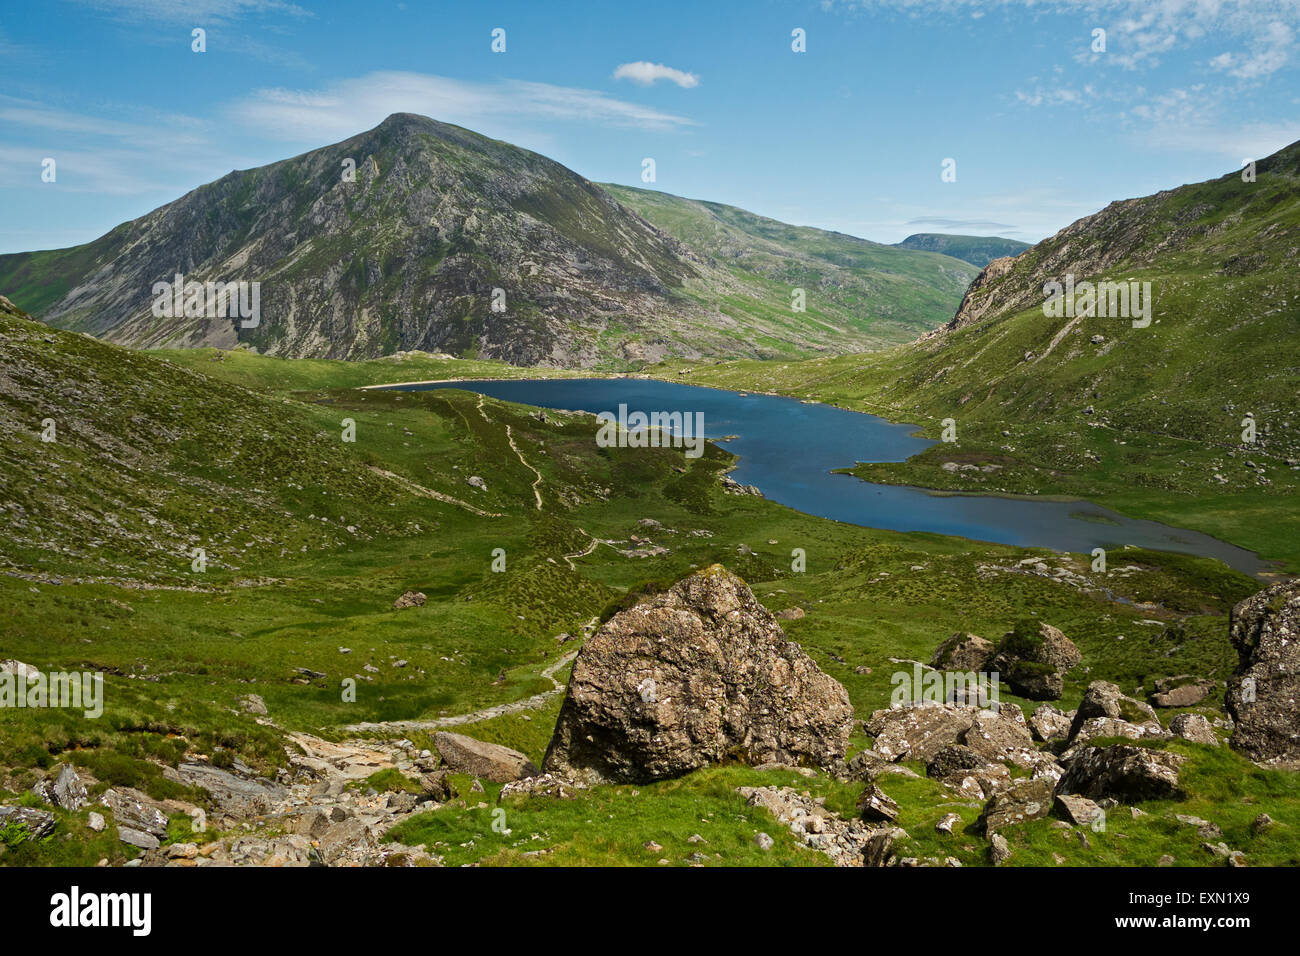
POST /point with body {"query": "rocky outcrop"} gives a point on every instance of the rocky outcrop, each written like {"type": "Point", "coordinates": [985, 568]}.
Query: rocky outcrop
{"type": "Point", "coordinates": [1033, 660]}
{"type": "Point", "coordinates": [699, 674]}
{"type": "Point", "coordinates": [479, 759]}
{"type": "Point", "coordinates": [1264, 694]}
{"type": "Point", "coordinates": [33, 823]}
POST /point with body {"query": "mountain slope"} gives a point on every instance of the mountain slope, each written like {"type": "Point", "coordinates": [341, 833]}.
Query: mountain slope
{"type": "Point", "coordinates": [977, 250]}
{"type": "Point", "coordinates": [880, 294]}
{"type": "Point", "coordinates": [407, 257]}
{"type": "Point", "coordinates": [1146, 420]}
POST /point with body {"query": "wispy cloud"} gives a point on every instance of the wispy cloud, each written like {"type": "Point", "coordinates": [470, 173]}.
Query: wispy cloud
{"type": "Point", "coordinates": [1140, 32]}
{"type": "Point", "coordinates": [645, 73]}
{"type": "Point", "coordinates": [351, 105]}
{"type": "Point", "coordinates": [980, 225]}
{"type": "Point", "coordinates": [196, 12]}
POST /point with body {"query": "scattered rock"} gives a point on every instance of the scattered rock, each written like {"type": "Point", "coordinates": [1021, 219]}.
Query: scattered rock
{"type": "Point", "coordinates": [920, 731]}
{"type": "Point", "coordinates": [543, 785]}
{"type": "Point", "coordinates": [489, 761]}
{"type": "Point", "coordinates": [1182, 691]}
{"type": "Point", "coordinates": [790, 614]}
{"type": "Point", "coordinates": [1194, 727]}
{"type": "Point", "coordinates": [1078, 810]}
{"type": "Point", "coordinates": [136, 811]}
{"type": "Point", "coordinates": [1034, 658]}
{"type": "Point", "coordinates": [1204, 828]}
{"type": "Point", "coordinates": [764, 841]}
{"type": "Point", "coordinates": [253, 704]}
{"type": "Point", "coordinates": [66, 790]}
{"type": "Point", "coordinates": [999, 851]}
{"type": "Point", "coordinates": [947, 822]}
{"type": "Point", "coordinates": [1104, 699]}
{"type": "Point", "coordinates": [879, 846]}
{"type": "Point", "coordinates": [438, 786]}
{"type": "Point", "coordinates": [1048, 724]}
{"type": "Point", "coordinates": [874, 805]}
{"type": "Point", "coordinates": [1023, 800]}
{"type": "Point", "coordinates": [410, 599]}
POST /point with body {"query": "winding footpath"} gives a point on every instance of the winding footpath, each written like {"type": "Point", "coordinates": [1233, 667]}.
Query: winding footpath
{"type": "Point", "coordinates": [500, 710]}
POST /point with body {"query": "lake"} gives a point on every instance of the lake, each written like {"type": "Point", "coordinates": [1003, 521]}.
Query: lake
{"type": "Point", "coordinates": [788, 449]}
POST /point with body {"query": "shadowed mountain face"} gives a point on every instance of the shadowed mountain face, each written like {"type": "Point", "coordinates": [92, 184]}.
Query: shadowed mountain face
{"type": "Point", "coordinates": [418, 235]}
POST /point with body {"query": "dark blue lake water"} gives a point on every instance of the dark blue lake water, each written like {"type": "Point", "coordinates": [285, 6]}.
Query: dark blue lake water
{"type": "Point", "coordinates": [788, 449]}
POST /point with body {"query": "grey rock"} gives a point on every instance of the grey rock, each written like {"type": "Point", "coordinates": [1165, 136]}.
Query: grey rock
{"type": "Point", "coordinates": [1262, 695]}
{"type": "Point", "coordinates": [1126, 773]}
{"type": "Point", "coordinates": [489, 761]}
{"type": "Point", "coordinates": [1194, 727]}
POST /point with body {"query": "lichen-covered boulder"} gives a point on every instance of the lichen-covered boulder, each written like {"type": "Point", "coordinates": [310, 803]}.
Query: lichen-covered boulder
{"type": "Point", "coordinates": [697, 675]}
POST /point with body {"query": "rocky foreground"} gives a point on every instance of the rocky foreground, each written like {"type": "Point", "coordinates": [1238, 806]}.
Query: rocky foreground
{"type": "Point", "coordinates": [702, 674]}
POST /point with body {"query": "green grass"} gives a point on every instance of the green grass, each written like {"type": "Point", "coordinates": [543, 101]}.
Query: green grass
{"type": "Point", "coordinates": [179, 650]}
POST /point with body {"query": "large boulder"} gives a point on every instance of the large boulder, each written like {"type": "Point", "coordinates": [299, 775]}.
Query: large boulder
{"type": "Point", "coordinates": [1264, 696]}
{"type": "Point", "coordinates": [1033, 660]}
{"type": "Point", "coordinates": [1122, 772]}
{"type": "Point", "coordinates": [492, 762]}
{"type": "Point", "coordinates": [693, 676]}
{"type": "Point", "coordinates": [918, 731]}
{"type": "Point", "coordinates": [1026, 799]}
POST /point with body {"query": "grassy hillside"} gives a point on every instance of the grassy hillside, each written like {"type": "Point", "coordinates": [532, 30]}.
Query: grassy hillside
{"type": "Point", "coordinates": [1145, 420]}
{"type": "Point", "coordinates": [874, 294]}
{"type": "Point", "coordinates": [311, 538]}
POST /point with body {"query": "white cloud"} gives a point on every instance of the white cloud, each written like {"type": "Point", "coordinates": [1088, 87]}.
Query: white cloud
{"type": "Point", "coordinates": [349, 106]}
{"type": "Point", "coordinates": [1268, 54]}
{"type": "Point", "coordinates": [646, 73]}
{"type": "Point", "coordinates": [198, 12]}
{"type": "Point", "coordinates": [1140, 32]}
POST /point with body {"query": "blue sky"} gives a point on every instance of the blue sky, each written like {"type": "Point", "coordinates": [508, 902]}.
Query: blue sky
{"type": "Point", "coordinates": [849, 135]}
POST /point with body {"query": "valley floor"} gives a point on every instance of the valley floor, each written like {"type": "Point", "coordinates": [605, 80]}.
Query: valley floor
{"type": "Point", "coordinates": [306, 556]}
